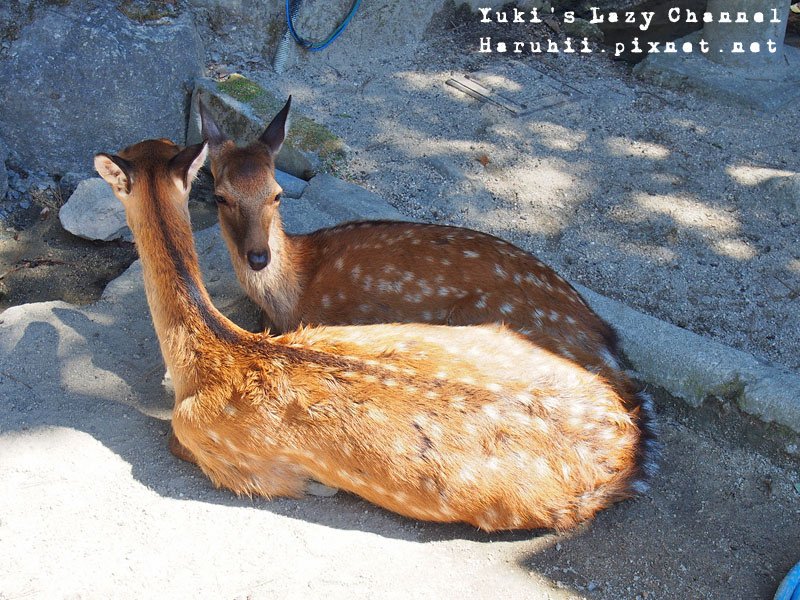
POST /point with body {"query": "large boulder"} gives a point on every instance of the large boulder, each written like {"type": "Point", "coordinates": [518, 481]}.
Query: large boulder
{"type": "Point", "coordinates": [87, 77]}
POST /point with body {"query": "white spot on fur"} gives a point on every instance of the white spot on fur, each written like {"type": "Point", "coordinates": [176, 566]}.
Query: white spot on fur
{"type": "Point", "coordinates": [500, 271]}
{"type": "Point", "coordinates": [540, 467]}
{"type": "Point", "coordinates": [467, 475]}
{"type": "Point", "coordinates": [471, 254]}
{"type": "Point", "coordinates": [532, 278]}
{"type": "Point", "coordinates": [541, 424]}
{"type": "Point", "coordinates": [491, 411]}
{"type": "Point", "coordinates": [525, 399]}
{"type": "Point", "coordinates": [339, 264]}
{"type": "Point", "coordinates": [506, 308]}
{"type": "Point", "coordinates": [230, 410]}
{"type": "Point", "coordinates": [521, 418]}
{"type": "Point", "coordinates": [377, 414]}
{"type": "Point", "coordinates": [387, 286]}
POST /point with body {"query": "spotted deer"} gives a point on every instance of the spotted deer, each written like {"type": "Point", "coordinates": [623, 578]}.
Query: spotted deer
{"type": "Point", "coordinates": [384, 271]}
{"type": "Point", "coordinates": [473, 424]}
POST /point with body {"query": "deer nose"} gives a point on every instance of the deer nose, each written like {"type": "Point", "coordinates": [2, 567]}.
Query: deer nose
{"type": "Point", "coordinates": [258, 260]}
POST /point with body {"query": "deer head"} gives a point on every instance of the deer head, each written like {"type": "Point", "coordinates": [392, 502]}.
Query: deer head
{"type": "Point", "coordinates": [245, 188]}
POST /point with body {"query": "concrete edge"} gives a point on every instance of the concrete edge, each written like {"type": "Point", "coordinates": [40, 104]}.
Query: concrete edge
{"type": "Point", "coordinates": [693, 368]}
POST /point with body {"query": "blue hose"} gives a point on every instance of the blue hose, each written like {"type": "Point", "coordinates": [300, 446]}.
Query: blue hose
{"type": "Point", "coordinates": [317, 46]}
{"type": "Point", "coordinates": [790, 586]}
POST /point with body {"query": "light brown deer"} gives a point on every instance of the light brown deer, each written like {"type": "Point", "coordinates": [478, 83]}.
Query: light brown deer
{"type": "Point", "coordinates": [472, 424]}
{"type": "Point", "coordinates": [384, 272]}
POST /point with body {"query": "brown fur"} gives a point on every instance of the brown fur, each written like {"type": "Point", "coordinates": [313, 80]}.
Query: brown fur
{"type": "Point", "coordinates": [472, 424]}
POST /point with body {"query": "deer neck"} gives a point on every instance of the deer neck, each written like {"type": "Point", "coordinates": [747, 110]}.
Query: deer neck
{"type": "Point", "coordinates": [187, 324]}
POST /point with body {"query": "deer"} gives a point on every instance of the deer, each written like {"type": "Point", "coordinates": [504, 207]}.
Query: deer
{"type": "Point", "coordinates": [472, 424]}
{"type": "Point", "coordinates": [371, 272]}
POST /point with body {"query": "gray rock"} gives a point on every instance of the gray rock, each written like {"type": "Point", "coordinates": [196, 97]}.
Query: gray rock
{"type": "Point", "coordinates": [784, 192]}
{"type": "Point", "coordinates": [94, 213]}
{"type": "Point", "coordinates": [293, 187]}
{"type": "Point", "coordinates": [82, 79]}
{"type": "Point", "coordinates": [581, 28]}
{"type": "Point", "coordinates": [328, 200]}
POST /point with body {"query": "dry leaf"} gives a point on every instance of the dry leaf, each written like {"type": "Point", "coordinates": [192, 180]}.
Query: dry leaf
{"type": "Point", "coordinates": [483, 159]}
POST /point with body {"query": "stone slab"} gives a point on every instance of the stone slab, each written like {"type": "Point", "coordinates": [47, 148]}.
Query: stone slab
{"type": "Point", "coordinates": [328, 200]}
{"type": "Point", "coordinates": [768, 90]}
{"type": "Point", "coordinates": [293, 187]}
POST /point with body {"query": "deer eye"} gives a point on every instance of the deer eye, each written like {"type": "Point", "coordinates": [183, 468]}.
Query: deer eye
{"type": "Point", "coordinates": [278, 197]}
{"type": "Point", "coordinates": [220, 200]}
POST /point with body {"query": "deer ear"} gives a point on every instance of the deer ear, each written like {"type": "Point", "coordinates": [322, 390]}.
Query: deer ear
{"type": "Point", "coordinates": [211, 131]}
{"type": "Point", "coordinates": [116, 171]}
{"type": "Point", "coordinates": [185, 165]}
{"type": "Point", "coordinates": [275, 132]}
